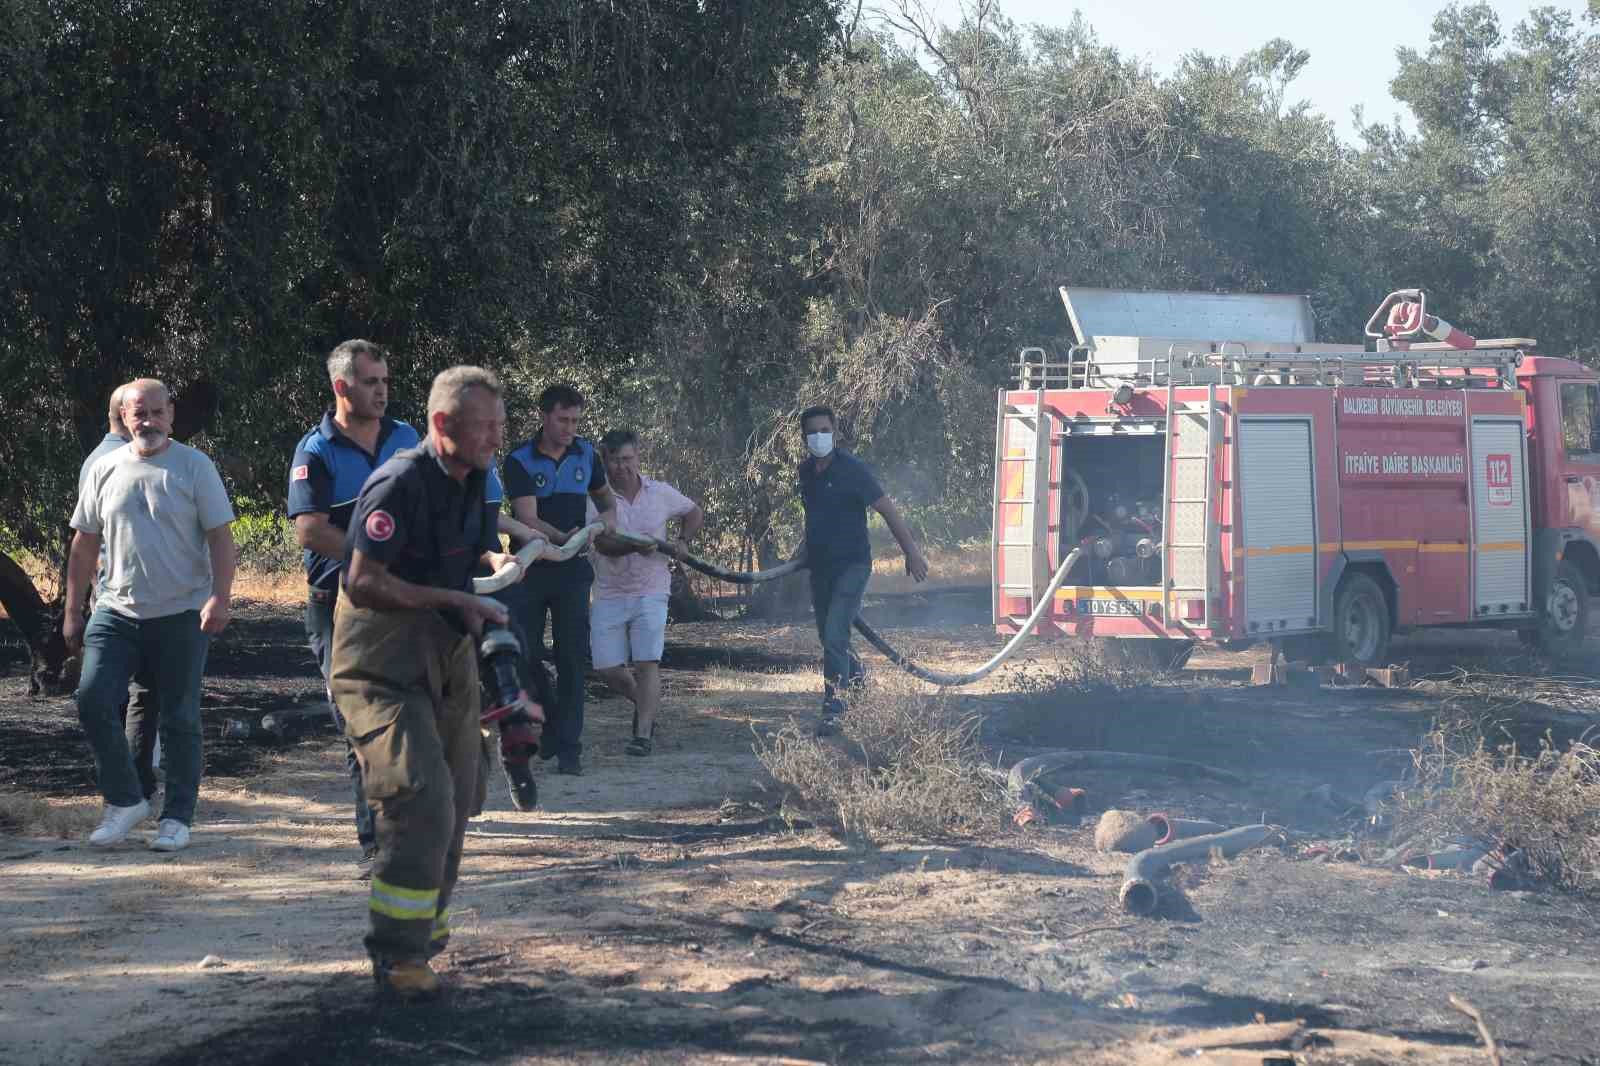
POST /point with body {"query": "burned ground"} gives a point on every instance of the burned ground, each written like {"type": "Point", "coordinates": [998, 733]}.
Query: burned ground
{"type": "Point", "coordinates": [665, 909]}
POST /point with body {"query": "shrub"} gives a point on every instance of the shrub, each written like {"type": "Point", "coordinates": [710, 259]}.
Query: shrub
{"type": "Point", "coordinates": [266, 543]}
{"type": "Point", "coordinates": [1546, 804]}
{"type": "Point", "coordinates": [922, 773]}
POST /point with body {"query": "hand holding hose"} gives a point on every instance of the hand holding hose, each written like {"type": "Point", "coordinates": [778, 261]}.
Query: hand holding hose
{"type": "Point", "coordinates": [536, 548]}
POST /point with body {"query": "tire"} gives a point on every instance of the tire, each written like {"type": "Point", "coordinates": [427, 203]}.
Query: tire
{"type": "Point", "coordinates": [1566, 611]}
{"type": "Point", "coordinates": [1361, 627]}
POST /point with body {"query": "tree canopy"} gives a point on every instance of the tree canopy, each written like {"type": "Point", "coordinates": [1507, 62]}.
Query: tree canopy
{"type": "Point", "coordinates": [710, 213]}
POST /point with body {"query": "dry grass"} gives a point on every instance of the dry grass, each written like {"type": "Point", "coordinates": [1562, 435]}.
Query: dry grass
{"type": "Point", "coordinates": [966, 565]}
{"type": "Point", "coordinates": [1546, 805]}
{"type": "Point", "coordinates": [1489, 695]}
{"type": "Point", "coordinates": [1085, 667]}
{"type": "Point", "coordinates": [922, 773]}
{"type": "Point", "coordinates": [24, 815]}
{"type": "Point", "coordinates": [279, 589]}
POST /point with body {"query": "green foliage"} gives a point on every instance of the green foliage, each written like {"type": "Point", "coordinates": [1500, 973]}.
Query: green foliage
{"type": "Point", "coordinates": [710, 214]}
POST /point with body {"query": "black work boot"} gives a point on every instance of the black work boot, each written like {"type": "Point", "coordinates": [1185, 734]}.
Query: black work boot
{"type": "Point", "coordinates": [524, 790]}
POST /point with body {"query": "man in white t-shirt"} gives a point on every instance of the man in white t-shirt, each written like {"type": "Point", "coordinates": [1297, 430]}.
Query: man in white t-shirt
{"type": "Point", "coordinates": [628, 622]}
{"type": "Point", "coordinates": [164, 516]}
{"type": "Point", "coordinates": [144, 705]}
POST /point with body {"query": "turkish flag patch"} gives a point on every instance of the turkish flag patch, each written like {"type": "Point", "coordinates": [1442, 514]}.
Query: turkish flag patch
{"type": "Point", "coordinates": [300, 473]}
{"type": "Point", "coordinates": [380, 526]}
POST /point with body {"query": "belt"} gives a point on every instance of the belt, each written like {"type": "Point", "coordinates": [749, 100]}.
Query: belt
{"type": "Point", "coordinates": [316, 595]}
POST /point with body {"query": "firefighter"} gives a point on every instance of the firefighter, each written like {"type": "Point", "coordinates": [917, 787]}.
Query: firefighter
{"type": "Point", "coordinates": [404, 670]}
{"type": "Point", "coordinates": [837, 489]}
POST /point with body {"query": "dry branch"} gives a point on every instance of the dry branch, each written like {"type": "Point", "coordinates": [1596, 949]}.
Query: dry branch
{"type": "Point", "coordinates": [1483, 1029]}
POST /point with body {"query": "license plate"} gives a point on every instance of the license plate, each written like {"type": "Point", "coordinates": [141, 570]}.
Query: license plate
{"type": "Point", "coordinates": [1123, 608]}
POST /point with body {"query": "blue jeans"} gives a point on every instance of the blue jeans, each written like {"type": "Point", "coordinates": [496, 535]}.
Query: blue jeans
{"type": "Point", "coordinates": [172, 650]}
{"type": "Point", "coordinates": [140, 717]}
{"type": "Point", "coordinates": [563, 593]}
{"type": "Point", "coordinates": [319, 634]}
{"type": "Point", "coordinates": [836, 593]}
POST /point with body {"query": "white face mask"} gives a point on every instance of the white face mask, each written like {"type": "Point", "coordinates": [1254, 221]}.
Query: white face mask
{"type": "Point", "coordinates": [820, 444]}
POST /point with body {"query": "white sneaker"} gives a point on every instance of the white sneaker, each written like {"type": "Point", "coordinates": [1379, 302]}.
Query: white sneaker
{"type": "Point", "coordinates": [117, 823]}
{"type": "Point", "coordinates": [174, 836]}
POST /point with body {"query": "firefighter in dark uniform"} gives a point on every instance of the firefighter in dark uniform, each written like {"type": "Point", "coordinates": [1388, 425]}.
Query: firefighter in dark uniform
{"type": "Point", "coordinates": [404, 669]}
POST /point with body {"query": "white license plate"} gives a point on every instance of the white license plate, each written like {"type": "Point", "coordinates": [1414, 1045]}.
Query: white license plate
{"type": "Point", "coordinates": [1122, 608]}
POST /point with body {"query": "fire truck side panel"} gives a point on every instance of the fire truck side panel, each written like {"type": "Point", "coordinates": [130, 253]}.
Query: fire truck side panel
{"type": "Point", "coordinates": [1403, 492]}
{"type": "Point", "coordinates": [1317, 545]}
{"type": "Point", "coordinates": [1500, 512]}
{"type": "Point", "coordinates": [1278, 519]}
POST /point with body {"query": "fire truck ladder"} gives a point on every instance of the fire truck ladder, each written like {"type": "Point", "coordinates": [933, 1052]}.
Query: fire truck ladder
{"type": "Point", "coordinates": [1414, 367]}
{"type": "Point", "coordinates": [1021, 547]}
{"type": "Point", "coordinates": [1188, 524]}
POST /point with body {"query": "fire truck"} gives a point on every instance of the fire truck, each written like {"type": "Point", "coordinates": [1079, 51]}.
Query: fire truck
{"type": "Point", "coordinates": [1225, 477]}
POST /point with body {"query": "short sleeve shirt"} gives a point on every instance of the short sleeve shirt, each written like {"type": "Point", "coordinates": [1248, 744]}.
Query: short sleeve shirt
{"type": "Point", "coordinates": [326, 476]}
{"type": "Point", "coordinates": [561, 486]}
{"type": "Point", "coordinates": [647, 515]}
{"type": "Point", "coordinates": [152, 514]}
{"type": "Point", "coordinates": [111, 442]}
{"type": "Point", "coordinates": [836, 503]}
{"type": "Point", "coordinates": [421, 523]}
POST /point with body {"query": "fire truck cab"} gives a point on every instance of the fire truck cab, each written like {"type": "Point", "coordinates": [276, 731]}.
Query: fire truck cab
{"type": "Point", "coordinates": [1226, 477]}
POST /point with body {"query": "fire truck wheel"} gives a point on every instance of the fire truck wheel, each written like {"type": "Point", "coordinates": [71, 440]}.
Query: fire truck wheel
{"type": "Point", "coordinates": [1360, 621]}
{"type": "Point", "coordinates": [1566, 610]}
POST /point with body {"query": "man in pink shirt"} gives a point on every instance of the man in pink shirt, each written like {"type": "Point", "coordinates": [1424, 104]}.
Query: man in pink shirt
{"type": "Point", "coordinates": [628, 621]}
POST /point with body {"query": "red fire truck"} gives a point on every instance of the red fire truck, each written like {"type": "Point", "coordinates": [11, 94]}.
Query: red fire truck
{"type": "Point", "coordinates": [1227, 478]}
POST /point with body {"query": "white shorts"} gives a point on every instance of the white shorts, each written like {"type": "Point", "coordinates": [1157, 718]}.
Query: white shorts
{"type": "Point", "coordinates": [625, 629]}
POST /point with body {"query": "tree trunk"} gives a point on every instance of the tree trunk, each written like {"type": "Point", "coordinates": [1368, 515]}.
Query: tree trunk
{"type": "Point", "coordinates": [52, 671]}
{"type": "Point", "coordinates": [783, 598]}
{"type": "Point", "coordinates": [683, 603]}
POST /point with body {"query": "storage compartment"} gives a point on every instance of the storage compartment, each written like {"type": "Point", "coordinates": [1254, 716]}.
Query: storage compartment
{"type": "Point", "coordinates": [1111, 505]}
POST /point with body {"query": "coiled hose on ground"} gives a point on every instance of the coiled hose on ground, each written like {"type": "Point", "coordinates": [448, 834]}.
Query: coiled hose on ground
{"type": "Point", "coordinates": [934, 677]}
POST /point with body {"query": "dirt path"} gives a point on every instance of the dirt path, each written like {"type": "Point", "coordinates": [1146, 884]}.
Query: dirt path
{"type": "Point", "coordinates": [657, 910]}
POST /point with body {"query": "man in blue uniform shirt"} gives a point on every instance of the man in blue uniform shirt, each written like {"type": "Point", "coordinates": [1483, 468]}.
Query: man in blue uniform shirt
{"type": "Point", "coordinates": [550, 480]}
{"type": "Point", "coordinates": [330, 465]}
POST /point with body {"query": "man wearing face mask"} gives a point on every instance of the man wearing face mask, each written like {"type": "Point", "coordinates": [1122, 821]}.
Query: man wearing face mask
{"type": "Point", "coordinates": [837, 489]}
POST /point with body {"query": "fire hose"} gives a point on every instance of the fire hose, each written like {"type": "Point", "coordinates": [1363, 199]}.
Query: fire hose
{"type": "Point", "coordinates": [934, 677]}
{"type": "Point", "coordinates": [1138, 894]}
{"type": "Point", "coordinates": [537, 548]}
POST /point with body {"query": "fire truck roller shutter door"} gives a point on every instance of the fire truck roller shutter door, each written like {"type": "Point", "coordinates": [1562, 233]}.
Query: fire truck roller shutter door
{"type": "Point", "coordinates": [1499, 518]}
{"type": "Point", "coordinates": [1280, 523]}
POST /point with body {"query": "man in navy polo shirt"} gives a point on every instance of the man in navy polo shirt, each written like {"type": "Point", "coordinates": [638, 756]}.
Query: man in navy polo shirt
{"type": "Point", "coordinates": [837, 489]}
{"type": "Point", "coordinates": [330, 465]}
{"type": "Point", "coordinates": [550, 480]}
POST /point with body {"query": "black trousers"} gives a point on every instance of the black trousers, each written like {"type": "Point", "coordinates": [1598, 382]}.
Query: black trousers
{"type": "Point", "coordinates": [561, 593]}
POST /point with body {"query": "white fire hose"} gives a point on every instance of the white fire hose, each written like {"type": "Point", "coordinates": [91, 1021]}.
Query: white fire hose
{"type": "Point", "coordinates": [537, 548]}
{"type": "Point", "coordinates": [935, 677]}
